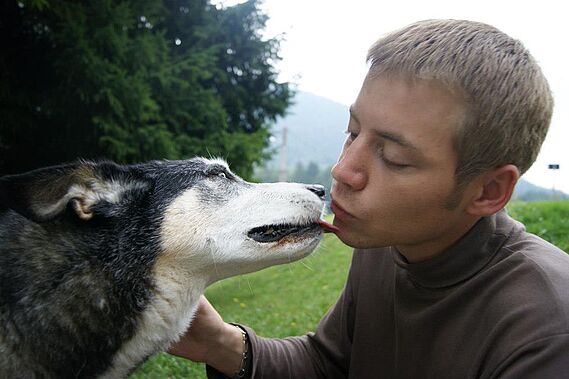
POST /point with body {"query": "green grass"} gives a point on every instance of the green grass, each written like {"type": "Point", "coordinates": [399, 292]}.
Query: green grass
{"type": "Point", "coordinates": [547, 219]}
{"type": "Point", "coordinates": [290, 299]}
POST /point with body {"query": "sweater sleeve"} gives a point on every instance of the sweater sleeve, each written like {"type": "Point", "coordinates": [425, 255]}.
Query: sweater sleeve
{"type": "Point", "coordinates": [323, 354]}
{"type": "Point", "coordinates": [546, 358]}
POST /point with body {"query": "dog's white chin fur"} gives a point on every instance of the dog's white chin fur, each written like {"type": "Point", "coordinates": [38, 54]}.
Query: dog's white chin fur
{"type": "Point", "coordinates": [203, 243]}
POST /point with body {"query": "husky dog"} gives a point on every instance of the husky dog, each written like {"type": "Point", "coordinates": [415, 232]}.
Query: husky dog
{"type": "Point", "coordinates": [102, 265]}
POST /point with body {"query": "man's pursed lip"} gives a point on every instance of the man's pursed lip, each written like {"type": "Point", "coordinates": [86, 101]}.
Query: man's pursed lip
{"type": "Point", "coordinates": [339, 211]}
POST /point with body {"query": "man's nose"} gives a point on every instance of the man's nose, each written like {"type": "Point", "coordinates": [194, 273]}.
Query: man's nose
{"type": "Point", "coordinates": [350, 169]}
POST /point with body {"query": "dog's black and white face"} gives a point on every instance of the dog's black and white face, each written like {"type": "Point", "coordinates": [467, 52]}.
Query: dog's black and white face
{"type": "Point", "coordinates": [223, 225]}
{"type": "Point", "coordinates": [131, 248]}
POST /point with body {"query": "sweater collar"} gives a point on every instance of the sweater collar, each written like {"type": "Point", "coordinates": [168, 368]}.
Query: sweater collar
{"type": "Point", "coordinates": [465, 258]}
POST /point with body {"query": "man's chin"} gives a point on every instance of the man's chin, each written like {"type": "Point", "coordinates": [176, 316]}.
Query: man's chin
{"type": "Point", "coordinates": [353, 237]}
{"type": "Point", "coordinates": [355, 241]}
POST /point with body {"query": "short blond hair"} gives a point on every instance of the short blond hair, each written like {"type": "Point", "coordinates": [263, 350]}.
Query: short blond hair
{"type": "Point", "coordinates": [508, 101]}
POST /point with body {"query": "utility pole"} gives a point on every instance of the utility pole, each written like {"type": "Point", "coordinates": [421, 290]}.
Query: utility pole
{"type": "Point", "coordinates": [283, 170]}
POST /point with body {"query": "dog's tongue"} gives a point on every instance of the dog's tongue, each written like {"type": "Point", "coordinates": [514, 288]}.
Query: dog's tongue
{"type": "Point", "coordinates": [328, 228]}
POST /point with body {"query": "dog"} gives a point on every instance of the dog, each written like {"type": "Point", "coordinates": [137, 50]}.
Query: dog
{"type": "Point", "coordinates": [102, 265]}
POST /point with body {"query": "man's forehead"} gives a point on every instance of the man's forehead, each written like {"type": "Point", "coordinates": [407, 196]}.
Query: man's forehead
{"type": "Point", "coordinates": [406, 108]}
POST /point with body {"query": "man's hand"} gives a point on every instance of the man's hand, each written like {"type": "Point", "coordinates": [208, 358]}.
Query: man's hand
{"type": "Point", "coordinates": [211, 340]}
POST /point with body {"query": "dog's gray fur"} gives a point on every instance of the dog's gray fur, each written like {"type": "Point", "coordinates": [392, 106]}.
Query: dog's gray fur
{"type": "Point", "coordinates": [102, 265]}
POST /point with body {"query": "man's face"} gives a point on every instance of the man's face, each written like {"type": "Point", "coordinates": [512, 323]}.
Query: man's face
{"type": "Point", "coordinates": [396, 171]}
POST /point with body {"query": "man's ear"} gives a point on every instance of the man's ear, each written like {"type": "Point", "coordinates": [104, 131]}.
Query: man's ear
{"type": "Point", "coordinates": [493, 190]}
{"type": "Point", "coordinates": [85, 187]}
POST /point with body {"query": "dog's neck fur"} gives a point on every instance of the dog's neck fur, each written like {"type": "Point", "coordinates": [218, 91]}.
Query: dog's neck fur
{"type": "Point", "coordinates": [166, 317]}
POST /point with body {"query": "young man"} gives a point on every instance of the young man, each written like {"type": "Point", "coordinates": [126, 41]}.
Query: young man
{"type": "Point", "coordinates": [443, 284]}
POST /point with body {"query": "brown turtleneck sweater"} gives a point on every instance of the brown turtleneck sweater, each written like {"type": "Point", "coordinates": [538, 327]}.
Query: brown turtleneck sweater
{"type": "Point", "coordinates": [495, 305]}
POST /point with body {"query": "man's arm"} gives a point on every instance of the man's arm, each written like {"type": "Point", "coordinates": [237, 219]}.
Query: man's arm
{"type": "Point", "coordinates": [324, 354]}
{"type": "Point", "coordinates": [546, 358]}
{"type": "Point", "coordinates": [211, 340]}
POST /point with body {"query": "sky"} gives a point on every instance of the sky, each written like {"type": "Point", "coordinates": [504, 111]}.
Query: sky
{"type": "Point", "coordinates": [325, 43]}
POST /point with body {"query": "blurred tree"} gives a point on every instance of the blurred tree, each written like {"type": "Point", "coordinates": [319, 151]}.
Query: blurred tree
{"type": "Point", "coordinates": [297, 174]}
{"type": "Point", "coordinates": [310, 173]}
{"type": "Point", "coordinates": [135, 80]}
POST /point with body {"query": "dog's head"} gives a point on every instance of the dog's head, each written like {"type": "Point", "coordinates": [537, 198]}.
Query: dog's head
{"type": "Point", "coordinates": [238, 226]}
{"type": "Point", "coordinates": [208, 220]}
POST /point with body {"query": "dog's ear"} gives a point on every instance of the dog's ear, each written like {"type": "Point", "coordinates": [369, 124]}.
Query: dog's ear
{"type": "Point", "coordinates": [86, 188]}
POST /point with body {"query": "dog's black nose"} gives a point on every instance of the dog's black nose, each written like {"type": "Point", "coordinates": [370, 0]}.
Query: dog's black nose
{"type": "Point", "coordinates": [319, 190]}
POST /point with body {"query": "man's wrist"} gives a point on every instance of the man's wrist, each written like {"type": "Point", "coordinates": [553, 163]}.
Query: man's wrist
{"type": "Point", "coordinates": [244, 356]}
{"type": "Point", "coordinates": [228, 357]}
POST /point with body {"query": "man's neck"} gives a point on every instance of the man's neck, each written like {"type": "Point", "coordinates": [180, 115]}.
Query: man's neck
{"type": "Point", "coordinates": [431, 248]}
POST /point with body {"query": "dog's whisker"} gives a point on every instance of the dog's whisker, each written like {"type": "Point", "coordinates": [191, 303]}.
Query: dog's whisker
{"type": "Point", "coordinates": [249, 284]}
{"type": "Point", "coordinates": [210, 156]}
{"type": "Point", "coordinates": [307, 266]}
{"type": "Point", "coordinates": [214, 262]}
{"type": "Point", "coordinates": [289, 265]}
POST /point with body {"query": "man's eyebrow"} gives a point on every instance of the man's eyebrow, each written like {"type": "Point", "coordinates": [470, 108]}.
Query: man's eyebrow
{"type": "Point", "coordinates": [393, 137]}
{"type": "Point", "coordinates": [396, 139]}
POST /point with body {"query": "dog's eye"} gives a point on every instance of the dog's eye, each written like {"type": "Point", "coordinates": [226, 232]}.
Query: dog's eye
{"type": "Point", "coordinates": [222, 175]}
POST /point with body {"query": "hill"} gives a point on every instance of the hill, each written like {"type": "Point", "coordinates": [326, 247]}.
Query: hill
{"type": "Point", "coordinates": [315, 134]}
{"type": "Point", "coordinates": [315, 127]}
{"type": "Point", "coordinates": [526, 191]}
